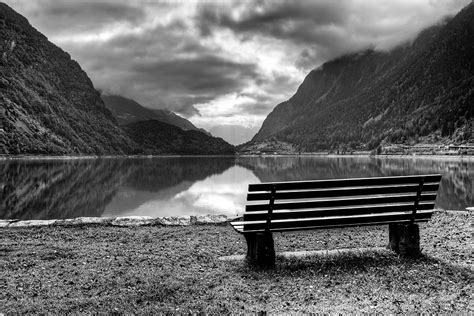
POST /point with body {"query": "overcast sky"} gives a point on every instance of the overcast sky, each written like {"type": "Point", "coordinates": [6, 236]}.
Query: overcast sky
{"type": "Point", "coordinates": [221, 62]}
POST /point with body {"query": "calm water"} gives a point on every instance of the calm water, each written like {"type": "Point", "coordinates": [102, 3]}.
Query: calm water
{"type": "Point", "coordinates": [171, 186]}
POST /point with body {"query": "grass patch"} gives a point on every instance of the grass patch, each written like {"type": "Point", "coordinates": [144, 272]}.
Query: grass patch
{"type": "Point", "coordinates": [169, 269]}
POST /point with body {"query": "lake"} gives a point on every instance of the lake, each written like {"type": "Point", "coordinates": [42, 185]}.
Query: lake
{"type": "Point", "coordinates": [174, 186]}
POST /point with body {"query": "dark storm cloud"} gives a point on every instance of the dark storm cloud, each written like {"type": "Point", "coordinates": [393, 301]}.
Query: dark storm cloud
{"type": "Point", "coordinates": [163, 68]}
{"type": "Point", "coordinates": [294, 20]}
{"type": "Point", "coordinates": [74, 16]}
{"type": "Point", "coordinates": [325, 29]}
{"type": "Point", "coordinates": [92, 13]}
{"type": "Point", "coordinates": [185, 82]}
{"type": "Point", "coordinates": [203, 74]}
{"type": "Point", "coordinates": [317, 28]}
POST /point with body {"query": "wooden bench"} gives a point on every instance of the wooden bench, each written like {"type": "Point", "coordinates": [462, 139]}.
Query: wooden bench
{"type": "Point", "coordinates": [400, 202]}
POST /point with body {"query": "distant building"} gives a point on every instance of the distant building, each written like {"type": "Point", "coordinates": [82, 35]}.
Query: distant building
{"type": "Point", "coordinates": [462, 149]}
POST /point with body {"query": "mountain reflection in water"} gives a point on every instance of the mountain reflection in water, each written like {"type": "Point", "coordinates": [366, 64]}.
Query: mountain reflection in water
{"type": "Point", "coordinates": [171, 186]}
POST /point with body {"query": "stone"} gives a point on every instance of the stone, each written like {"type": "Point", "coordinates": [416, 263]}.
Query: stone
{"type": "Point", "coordinates": [132, 221]}
{"type": "Point", "coordinates": [32, 223]}
{"type": "Point", "coordinates": [210, 219]}
{"type": "Point", "coordinates": [173, 221]}
{"type": "Point", "coordinates": [123, 221]}
{"type": "Point", "coordinates": [85, 220]}
{"type": "Point", "coordinates": [6, 222]}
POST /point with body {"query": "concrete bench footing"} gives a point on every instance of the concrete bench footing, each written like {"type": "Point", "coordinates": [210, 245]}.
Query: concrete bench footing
{"type": "Point", "coordinates": [404, 239]}
{"type": "Point", "coordinates": [260, 250]}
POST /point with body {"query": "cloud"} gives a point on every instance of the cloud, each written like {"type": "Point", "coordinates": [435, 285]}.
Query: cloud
{"type": "Point", "coordinates": [161, 67]}
{"type": "Point", "coordinates": [65, 17]}
{"type": "Point", "coordinates": [293, 20]}
{"type": "Point", "coordinates": [322, 30]}
{"type": "Point", "coordinates": [184, 82]}
{"type": "Point", "coordinates": [203, 74]}
{"type": "Point", "coordinates": [221, 62]}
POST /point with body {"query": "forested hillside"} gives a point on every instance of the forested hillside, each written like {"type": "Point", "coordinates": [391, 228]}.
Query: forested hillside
{"type": "Point", "coordinates": [49, 105]}
{"type": "Point", "coordinates": [156, 138]}
{"type": "Point", "coordinates": [127, 111]}
{"type": "Point", "coordinates": [419, 92]}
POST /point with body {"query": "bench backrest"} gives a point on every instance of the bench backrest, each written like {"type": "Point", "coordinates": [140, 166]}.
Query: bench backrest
{"type": "Point", "coordinates": [298, 205]}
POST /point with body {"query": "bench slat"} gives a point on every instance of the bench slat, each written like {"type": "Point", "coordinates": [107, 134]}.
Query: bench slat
{"type": "Point", "coordinates": [340, 192]}
{"type": "Point", "coordinates": [351, 182]}
{"type": "Point", "coordinates": [296, 224]}
{"type": "Point", "coordinates": [343, 202]}
{"type": "Point", "coordinates": [359, 210]}
{"type": "Point", "coordinates": [240, 228]}
{"type": "Point", "coordinates": [326, 218]}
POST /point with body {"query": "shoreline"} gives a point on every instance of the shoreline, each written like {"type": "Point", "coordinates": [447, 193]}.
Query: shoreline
{"type": "Point", "coordinates": [136, 221]}
{"type": "Point", "coordinates": [39, 157]}
{"type": "Point", "coordinates": [120, 221]}
{"type": "Point", "coordinates": [91, 157]}
{"type": "Point", "coordinates": [407, 156]}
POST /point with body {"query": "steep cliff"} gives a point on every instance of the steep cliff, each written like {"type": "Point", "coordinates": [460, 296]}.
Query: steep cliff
{"type": "Point", "coordinates": [49, 105]}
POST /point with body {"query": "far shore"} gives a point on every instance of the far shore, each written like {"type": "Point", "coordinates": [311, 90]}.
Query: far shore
{"type": "Point", "coordinates": [73, 157]}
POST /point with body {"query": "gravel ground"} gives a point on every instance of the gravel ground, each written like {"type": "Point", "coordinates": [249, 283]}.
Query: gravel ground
{"type": "Point", "coordinates": [157, 269]}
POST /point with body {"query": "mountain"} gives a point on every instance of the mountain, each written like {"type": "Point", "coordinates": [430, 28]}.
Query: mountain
{"type": "Point", "coordinates": [49, 105]}
{"type": "Point", "coordinates": [127, 111]}
{"type": "Point", "coordinates": [156, 138]}
{"type": "Point", "coordinates": [176, 120]}
{"type": "Point", "coordinates": [421, 92]}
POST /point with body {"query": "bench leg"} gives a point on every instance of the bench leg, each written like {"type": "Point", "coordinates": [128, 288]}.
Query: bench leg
{"type": "Point", "coordinates": [404, 239]}
{"type": "Point", "coordinates": [409, 245]}
{"type": "Point", "coordinates": [393, 237]}
{"type": "Point", "coordinates": [251, 249]}
{"type": "Point", "coordinates": [260, 250]}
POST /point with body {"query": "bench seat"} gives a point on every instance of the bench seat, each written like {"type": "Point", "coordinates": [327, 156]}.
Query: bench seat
{"type": "Point", "coordinates": [279, 225]}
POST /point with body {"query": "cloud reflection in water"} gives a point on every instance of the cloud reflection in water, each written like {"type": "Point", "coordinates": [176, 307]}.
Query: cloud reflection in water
{"type": "Point", "coordinates": [217, 194]}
